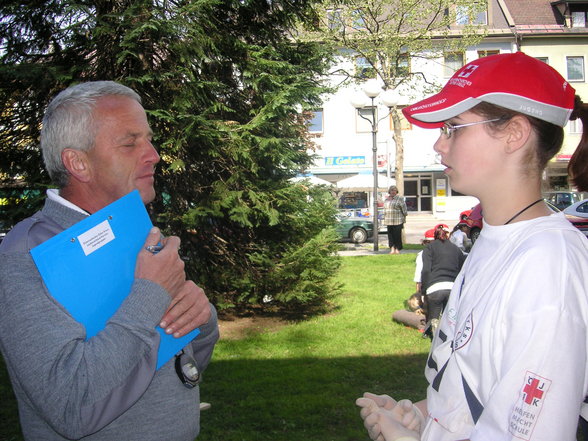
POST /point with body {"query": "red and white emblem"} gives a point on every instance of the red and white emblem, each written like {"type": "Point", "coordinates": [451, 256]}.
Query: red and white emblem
{"type": "Point", "coordinates": [526, 411]}
{"type": "Point", "coordinates": [467, 71]}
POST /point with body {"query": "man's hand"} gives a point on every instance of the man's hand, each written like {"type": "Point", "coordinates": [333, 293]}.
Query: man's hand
{"type": "Point", "coordinates": [165, 268]}
{"type": "Point", "coordinates": [189, 307]}
{"type": "Point", "coordinates": [188, 310]}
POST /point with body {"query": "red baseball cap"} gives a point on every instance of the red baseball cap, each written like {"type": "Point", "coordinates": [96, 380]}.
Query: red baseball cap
{"type": "Point", "coordinates": [515, 81]}
{"type": "Point", "coordinates": [443, 226]}
{"type": "Point", "coordinates": [430, 234]}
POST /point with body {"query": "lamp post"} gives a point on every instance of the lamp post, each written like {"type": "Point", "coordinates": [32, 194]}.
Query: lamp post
{"type": "Point", "coordinates": [372, 90]}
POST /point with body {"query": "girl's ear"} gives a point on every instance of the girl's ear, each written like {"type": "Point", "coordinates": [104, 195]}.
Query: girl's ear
{"type": "Point", "coordinates": [518, 131]}
{"type": "Point", "coordinates": [77, 164]}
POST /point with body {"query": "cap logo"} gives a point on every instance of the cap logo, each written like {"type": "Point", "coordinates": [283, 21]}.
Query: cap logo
{"type": "Point", "coordinates": [530, 110]}
{"type": "Point", "coordinates": [467, 71]}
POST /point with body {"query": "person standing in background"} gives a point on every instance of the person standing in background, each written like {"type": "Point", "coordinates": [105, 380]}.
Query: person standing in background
{"type": "Point", "coordinates": [395, 212]}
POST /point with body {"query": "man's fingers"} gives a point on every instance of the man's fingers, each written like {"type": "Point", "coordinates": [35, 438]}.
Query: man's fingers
{"type": "Point", "coordinates": [189, 310]}
{"type": "Point", "coordinates": [153, 238]}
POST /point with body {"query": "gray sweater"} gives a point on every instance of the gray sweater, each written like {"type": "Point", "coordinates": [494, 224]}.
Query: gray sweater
{"type": "Point", "coordinates": [105, 388]}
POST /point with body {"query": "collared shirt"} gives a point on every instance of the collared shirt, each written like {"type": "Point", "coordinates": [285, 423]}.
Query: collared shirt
{"type": "Point", "coordinates": [53, 194]}
{"type": "Point", "coordinates": [394, 211]}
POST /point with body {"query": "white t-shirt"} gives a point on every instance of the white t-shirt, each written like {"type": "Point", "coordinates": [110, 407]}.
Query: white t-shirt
{"type": "Point", "coordinates": [457, 238]}
{"type": "Point", "coordinates": [419, 267]}
{"type": "Point", "coordinates": [516, 328]}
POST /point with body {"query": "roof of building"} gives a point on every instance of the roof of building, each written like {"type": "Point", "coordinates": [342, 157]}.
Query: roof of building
{"type": "Point", "coordinates": [532, 12]}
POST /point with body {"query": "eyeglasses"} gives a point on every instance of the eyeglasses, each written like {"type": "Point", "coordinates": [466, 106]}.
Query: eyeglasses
{"type": "Point", "coordinates": [187, 369]}
{"type": "Point", "coordinates": [448, 129]}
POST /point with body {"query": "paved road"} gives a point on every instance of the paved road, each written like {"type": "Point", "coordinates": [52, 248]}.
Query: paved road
{"type": "Point", "coordinates": [414, 230]}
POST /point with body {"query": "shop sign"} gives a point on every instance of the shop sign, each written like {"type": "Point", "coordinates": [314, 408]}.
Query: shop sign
{"type": "Point", "coordinates": [334, 161]}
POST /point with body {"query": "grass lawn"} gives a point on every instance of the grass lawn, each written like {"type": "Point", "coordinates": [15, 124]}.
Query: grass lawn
{"type": "Point", "coordinates": [299, 382]}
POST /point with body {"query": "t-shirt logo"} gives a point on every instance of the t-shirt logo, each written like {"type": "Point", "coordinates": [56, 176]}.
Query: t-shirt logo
{"type": "Point", "coordinates": [533, 391]}
{"type": "Point", "coordinates": [527, 410]}
{"type": "Point", "coordinates": [463, 336]}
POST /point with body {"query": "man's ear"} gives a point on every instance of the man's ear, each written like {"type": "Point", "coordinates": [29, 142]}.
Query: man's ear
{"type": "Point", "coordinates": [77, 164]}
{"type": "Point", "coordinates": [518, 132]}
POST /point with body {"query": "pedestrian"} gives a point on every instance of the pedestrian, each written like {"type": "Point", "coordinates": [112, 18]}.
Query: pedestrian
{"type": "Point", "coordinates": [395, 212]}
{"type": "Point", "coordinates": [509, 358]}
{"type": "Point", "coordinates": [97, 147]}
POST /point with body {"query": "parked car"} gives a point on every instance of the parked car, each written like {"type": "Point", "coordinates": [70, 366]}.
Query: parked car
{"type": "Point", "coordinates": [578, 222]}
{"type": "Point", "coordinates": [575, 217]}
{"type": "Point", "coordinates": [473, 219]}
{"type": "Point", "coordinates": [578, 209]}
{"type": "Point", "coordinates": [355, 229]}
{"type": "Point", "coordinates": [562, 199]}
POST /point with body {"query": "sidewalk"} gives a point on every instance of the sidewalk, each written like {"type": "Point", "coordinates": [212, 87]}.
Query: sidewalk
{"type": "Point", "coordinates": [414, 230]}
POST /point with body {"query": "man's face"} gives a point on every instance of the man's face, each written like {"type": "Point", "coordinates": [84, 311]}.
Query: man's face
{"type": "Point", "coordinates": [123, 158]}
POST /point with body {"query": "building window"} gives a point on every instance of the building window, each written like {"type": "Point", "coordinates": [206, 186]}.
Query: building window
{"type": "Point", "coordinates": [575, 66]}
{"type": "Point", "coordinates": [359, 20]}
{"type": "Point", "coordinates": [462, 17]}
{"type": "Point", "coordinates": [315, 123]}
{"type": "Point", "coordinates": [543, 59]}
{"type": "Point", "coordinates": [363, 69]}
{"type": "Point", "coordinates": [335, 20]}
{"type": "Point", "coordinates": [485, 53]}
{"type": "Point", "coordinates": [578, 19]}
{"type": "Point", "coordinates": [362, 125]}
{"type": "Point", "coordinates": [403, 65]}
{"type": "Point", "coordinates": [452, 62]}
{"type": "Point", "coordinates": [575, 127]}
{"type": "Point", "coordinates": [578, 13]}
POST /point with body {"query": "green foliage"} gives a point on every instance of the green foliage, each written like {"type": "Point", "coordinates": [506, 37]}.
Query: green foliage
{"type": "Point", "coordinates": [222, 82]}
{"type": "Point", "coordinates": [387, 33]}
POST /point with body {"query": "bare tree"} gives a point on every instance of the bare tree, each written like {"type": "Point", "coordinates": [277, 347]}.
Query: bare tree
{"type": "Point", "coordinates": [391, 36]}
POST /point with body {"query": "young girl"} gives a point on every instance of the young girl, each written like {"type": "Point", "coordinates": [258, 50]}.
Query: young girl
{"type": "Point", "coordinates": [509, 359]}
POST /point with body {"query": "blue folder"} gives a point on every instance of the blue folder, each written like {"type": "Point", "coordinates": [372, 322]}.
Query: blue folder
{"type": "Point", "coordinates": [90, 267]}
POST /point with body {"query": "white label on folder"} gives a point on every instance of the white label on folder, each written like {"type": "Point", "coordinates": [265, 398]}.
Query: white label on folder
{"type": "Point", "coordinates": [96, 237]}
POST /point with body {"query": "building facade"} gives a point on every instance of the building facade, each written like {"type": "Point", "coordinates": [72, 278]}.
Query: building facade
{"type": "Point", "coordinates": [554, 32]}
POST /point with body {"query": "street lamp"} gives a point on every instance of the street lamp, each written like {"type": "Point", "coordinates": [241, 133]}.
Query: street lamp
{"type": "Point", "coordinates": [389, 98]}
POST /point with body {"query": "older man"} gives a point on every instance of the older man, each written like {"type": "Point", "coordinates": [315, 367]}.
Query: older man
{"type": "Point", "coordinates": [96, 144]}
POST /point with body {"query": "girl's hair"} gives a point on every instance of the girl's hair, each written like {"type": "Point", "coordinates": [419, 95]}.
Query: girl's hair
{"type": "Point", "coordinates": [441, 234]}
{"type": "Point", "coordinates": [549, 136]}
{"type": "Point", "coordinates": [578, 166]}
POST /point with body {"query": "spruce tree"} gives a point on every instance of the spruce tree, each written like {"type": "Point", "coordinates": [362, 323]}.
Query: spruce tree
{"type": "Point", "coordinates": [226, 86]}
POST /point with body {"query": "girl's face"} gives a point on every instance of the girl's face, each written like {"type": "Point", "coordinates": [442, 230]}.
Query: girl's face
{"type": "Point", "coordinates": [471, 154]}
